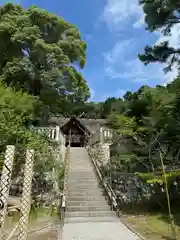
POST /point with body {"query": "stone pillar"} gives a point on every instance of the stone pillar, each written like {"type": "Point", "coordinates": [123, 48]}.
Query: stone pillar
{"type": "Point", "coordinates": [106, 152]}
{"type": "Point", "coordinates": [57, 133]}
{"type": "Point", "coordinates": [101, 135]}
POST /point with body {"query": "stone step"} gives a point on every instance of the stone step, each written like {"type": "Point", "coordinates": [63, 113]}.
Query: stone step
{"type": "Point", "coordinates": [88, 171]}
{"type": "Point", "coordinates": [80, 166]}
{"type": "Point", "coordinates": [82, 177]}
{"type": "Point", "coordinates": [90, 192]}
{"type": "Point", "coordinates": [82, 181]}
{"type": "Point", "coordinates": [90, 214]}
{"type": "Point", "coordinates": [80, 162]}
{"type": "Point", "coordinates": [87, 203]}
{"type": "Point", "coordinates": [80, 169]}
{"type": "Point", "coordinates": [98, 196]}
{"type": "Point", "coordinates": [91, 219]}
{"type": "Point", "coordinates": [82, 187]}
{"type": "Point", "coordinates": [83, 161]}
{"type": "Point", "coordinates": [81, 174]}
{"type": "Point", "coordinates": [88, 208]}
{"type": "Point", "coordinates": [86, 198]}
{"type": "Point", "coordinates": [83, 184]}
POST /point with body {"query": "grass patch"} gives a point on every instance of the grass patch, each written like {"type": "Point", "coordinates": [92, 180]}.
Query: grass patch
{"type": "Point", "coordinates": [35, 214]}
{"type": "Point", "coordinates": [42, 213]}
{"type": "Point", "coordinates": [153, 226]}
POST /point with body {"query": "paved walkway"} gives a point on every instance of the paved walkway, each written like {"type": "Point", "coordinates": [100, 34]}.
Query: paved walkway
{"type": "Point", "coordinates": [97, 231]}
{"type": "Point", "coordinates": [86, 218]}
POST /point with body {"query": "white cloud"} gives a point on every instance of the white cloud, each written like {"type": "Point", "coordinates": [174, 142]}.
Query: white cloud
{"type": "Point", "coordinates": [120, 50]}
{"type": "Point", "coordinates": [118, 94]}
{"type": "Point", "coordinates": [174, 41]}
{"type": "Point", "coordinates": [92, 94]}
{"type": "Point", "coordinates": [174, 38]}
{"type": "Point", "coordinates": [120, 63]}
{"type": "Point", "coordinates": [117, 13]}
{"type": "Point", "coordinates": [140, 22]}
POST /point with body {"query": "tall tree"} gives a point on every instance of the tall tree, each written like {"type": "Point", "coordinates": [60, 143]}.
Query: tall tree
{"type": "Point", "coordinates": [161, 15]}
{"type": "Point", "coordinates": [112, 105]}
{"type": "Point", "coordinates": [40, 53]}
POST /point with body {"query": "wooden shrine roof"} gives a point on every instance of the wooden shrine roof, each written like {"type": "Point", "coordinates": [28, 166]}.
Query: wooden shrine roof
{"type": "Point", "coordinates": [92, 125]}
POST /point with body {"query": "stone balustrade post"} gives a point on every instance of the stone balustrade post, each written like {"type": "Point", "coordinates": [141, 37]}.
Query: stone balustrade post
{"type": "Point", "coordinates": [101, 135]}
{"type": "Point", "coordinates": [53, 133]}
{"type": "Point", "coordinates": [57, 133]}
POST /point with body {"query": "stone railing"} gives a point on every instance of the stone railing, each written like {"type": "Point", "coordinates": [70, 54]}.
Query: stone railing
{"type": "Point", "coordinates": [109, 193]}
{"type": "Point", "coordinates": [99, 145]}
{"type": "Point", "coordinates": [104, 135]}
{"type": "Point", "coordinates": [53, 133]}
{"type": "Point", "coordinates": [64, 194]}
{"type": "Point", "coordinates": [107, 135]}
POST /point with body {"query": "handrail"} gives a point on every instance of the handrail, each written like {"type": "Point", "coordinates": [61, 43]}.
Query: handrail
{"type": "Point", "coordinates": [65, 188]}
{"type": "Point", "coordinates": [63, 201]}
{"type": "Point", "coordinates": [107, 187]}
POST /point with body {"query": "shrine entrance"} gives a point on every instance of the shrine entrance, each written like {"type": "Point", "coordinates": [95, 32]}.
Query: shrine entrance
{"type": "Point", "coordinates": [77, 131]}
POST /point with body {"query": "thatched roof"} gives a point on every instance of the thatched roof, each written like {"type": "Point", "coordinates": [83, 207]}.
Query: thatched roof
{"type": "Point", "coordinates": [92, 125]}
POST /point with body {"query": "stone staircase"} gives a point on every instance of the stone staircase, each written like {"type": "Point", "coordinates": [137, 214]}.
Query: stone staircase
{"type": "Point", "coordinates": [86, 202]}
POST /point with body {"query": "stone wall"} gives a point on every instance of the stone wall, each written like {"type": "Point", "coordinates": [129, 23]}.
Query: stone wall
{"type": "Point", "coordinates": [100, 152]}
{"type": "Point", "coordinates": [62, 151]}
{"type": "Point", "coordinates": [59, 153]}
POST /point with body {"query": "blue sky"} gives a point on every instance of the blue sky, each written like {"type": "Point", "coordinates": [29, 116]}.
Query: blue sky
{"type": "Point", "coordinates": [115, 33]}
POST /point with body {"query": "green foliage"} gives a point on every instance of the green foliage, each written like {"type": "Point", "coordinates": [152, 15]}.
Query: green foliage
{"type": "Point", "coordinates": [17, 110]}
{"type": "Point", "coordinates": [112, 105]}
{"type": "Point", "coordinates": [161, 16]}
{"type": "Point", "coordinates": [123, 124]}
{"type": "Point", "coordinates": [93, 109]}
{"type": "Point", "coordinates": [148, 124]}
{"type": "Point", "coordinates": [39, 54]}
{"type": "Point", "coordinates": [159, 178]}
